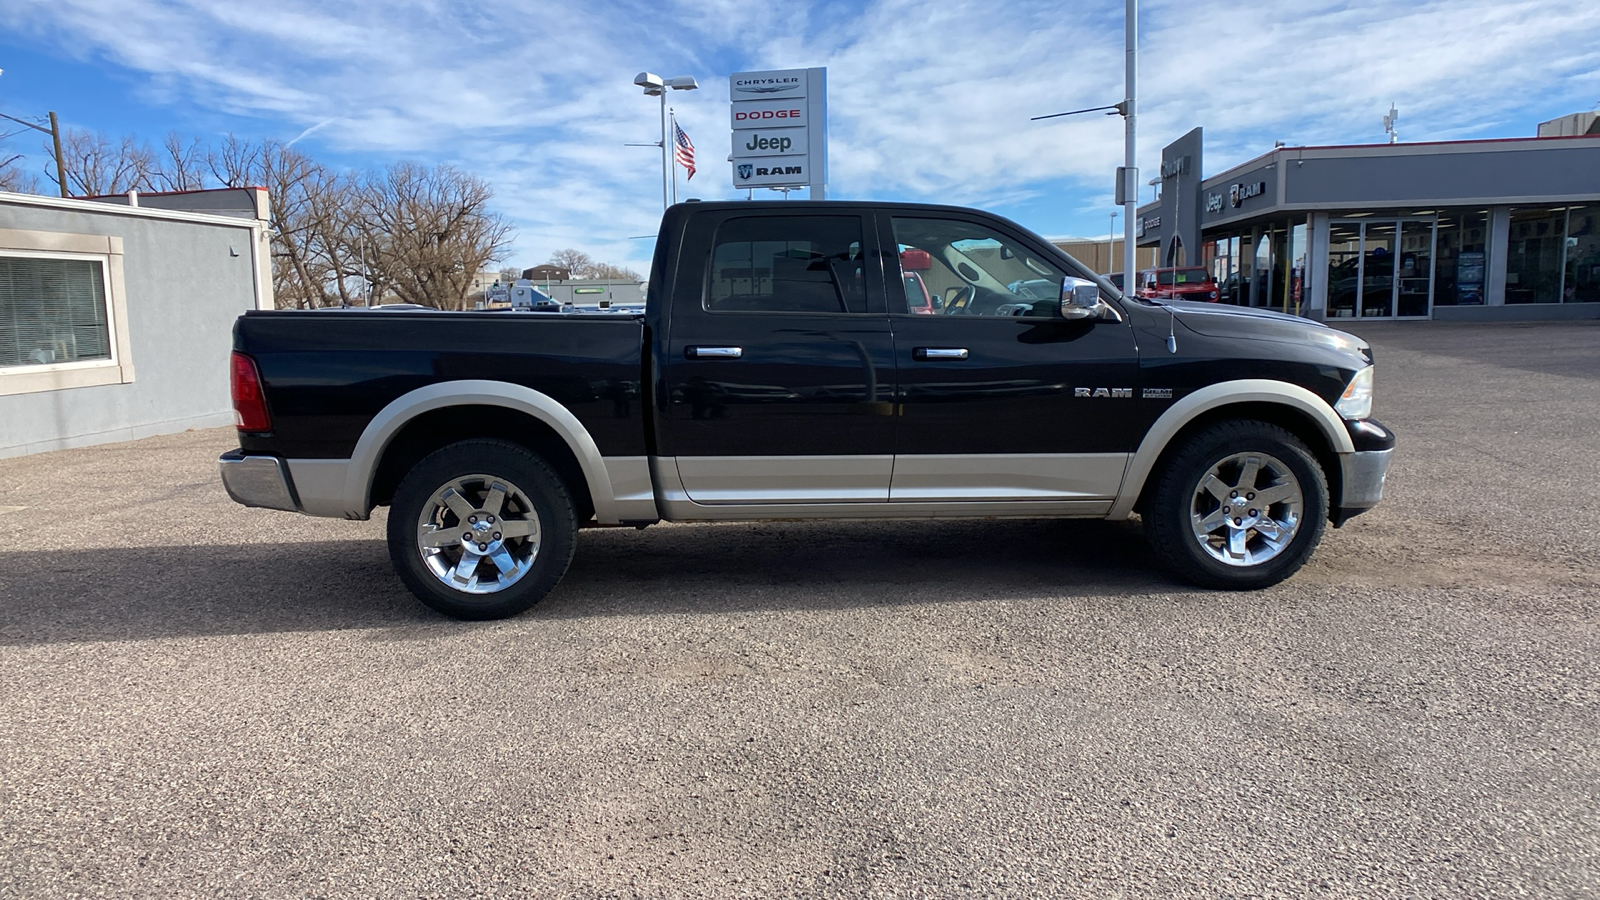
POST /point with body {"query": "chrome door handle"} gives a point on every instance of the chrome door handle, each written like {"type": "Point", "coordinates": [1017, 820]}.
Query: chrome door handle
{"type": "Point", "coordinates": [713, 352]}
{"type": "Point", "coordinates": [925, 353]}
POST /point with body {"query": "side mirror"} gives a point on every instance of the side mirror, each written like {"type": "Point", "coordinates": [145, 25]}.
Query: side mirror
{"type": "Point", "coordinates": [1080, 298]}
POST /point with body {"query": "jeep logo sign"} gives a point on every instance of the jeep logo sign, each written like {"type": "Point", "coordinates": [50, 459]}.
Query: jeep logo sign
{"type": "Point", "coordinates": [780, 144]}
{"type": "Point", "coordinates": [770, 142]}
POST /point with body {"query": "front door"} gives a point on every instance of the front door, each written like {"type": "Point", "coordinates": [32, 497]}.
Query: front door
{"type": "Point", "coordinates": [999, 397]}
{"type": "Point", "coordinates": [780, 379]}
{"type": "Point", "coordinates": [1381, 269]}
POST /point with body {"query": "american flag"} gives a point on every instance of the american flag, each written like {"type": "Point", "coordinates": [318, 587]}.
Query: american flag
{"type": "Point", "coordinates": [685, 152]}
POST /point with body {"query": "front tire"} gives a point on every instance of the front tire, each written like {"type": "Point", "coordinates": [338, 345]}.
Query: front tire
{"type": "Point", "coordinates": [1240, 506]}
{"type": "Point", "coordinates": [481, 529]}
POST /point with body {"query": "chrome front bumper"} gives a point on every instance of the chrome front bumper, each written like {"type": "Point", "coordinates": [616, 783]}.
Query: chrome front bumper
{"type": "Point", "coordinates": [1364, 473]}
{"type": "Point", "coordinates": [259, 481]}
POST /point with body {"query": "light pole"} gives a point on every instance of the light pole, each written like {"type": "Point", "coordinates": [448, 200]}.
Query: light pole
{"type": "Point", "coordinates": [1127, 192]}
{"type": "Point", "coordinates": [1130, 187]}
{"type": "Point", "coordinates": [656, 86]}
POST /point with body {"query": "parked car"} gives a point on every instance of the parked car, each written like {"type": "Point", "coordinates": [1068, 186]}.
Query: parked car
{"type": "Point", "coordinates": [1179, 283]}
{"type": "Point", "coordinates": [787, 366]}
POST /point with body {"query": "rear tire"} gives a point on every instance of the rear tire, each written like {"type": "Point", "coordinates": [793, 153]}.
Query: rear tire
{"type": "Point", "coordinates": [1240, 506]}
{"type": "Point", "coordinates": [481, 529]}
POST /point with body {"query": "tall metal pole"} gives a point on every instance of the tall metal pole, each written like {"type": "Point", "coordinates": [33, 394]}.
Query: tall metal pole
{"type": "Point", "coordinates": [672, 118]}
{"type": "Point", "coordinates": [1130, 209]}
{"type": "Point", "coordinates": [666, 157]}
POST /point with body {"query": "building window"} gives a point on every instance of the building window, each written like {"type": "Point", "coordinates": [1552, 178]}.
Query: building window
{"type": "Point", "coordinates": [1461, 264]}
{"type": "Point", "coordinates": [63, 317]}
{"type": "Point", "coordinates": [1581, 271]}
{"type": "Point", "coordinates": [1534, 254]}
{"type": "Point", "coordinates": [53, 311]}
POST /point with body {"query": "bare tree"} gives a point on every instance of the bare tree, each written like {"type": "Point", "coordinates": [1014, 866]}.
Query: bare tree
{"type": "Point", "coordinates": [305, 273]}
{"type": "Point", "coordinates": [95, 166]}
{"type": "Point", "coordinates": [582, 265]}
{"type": "Point", "coordinates": [234, 163]}
{"type": "Point", "coordinates": [437, 230]}
{"type": "Point", "coordinates": [510, 274]}
{"type": "Point", "coordinates": [574, 261]}
{"type": "Point", "coordinates": [14, 178]}
{"type": "Point", "coordinates": [611, 272]}
{"type": "Point", "coordinates": [181, 167]}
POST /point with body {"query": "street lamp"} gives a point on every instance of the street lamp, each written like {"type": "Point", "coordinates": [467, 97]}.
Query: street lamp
{"type": "Point", "coordinates": [656, 86]}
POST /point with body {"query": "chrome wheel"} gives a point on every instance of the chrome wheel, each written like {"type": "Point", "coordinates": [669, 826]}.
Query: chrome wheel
{"type": "Point", "coordinates": [1247, 509]}
{"type": "Point", "coordinates": [478, 534]}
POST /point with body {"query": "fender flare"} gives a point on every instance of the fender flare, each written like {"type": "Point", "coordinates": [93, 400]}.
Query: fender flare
{"type": "Point", "coordinates": [1226, 393]}
{"type": "Point", "coordinates": [375, 439]}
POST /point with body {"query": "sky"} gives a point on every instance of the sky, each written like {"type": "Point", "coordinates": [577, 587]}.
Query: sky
{"type": "Point", "coordinates": [928, 101]}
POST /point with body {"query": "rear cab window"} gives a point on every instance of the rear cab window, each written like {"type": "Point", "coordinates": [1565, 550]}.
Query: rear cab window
{"type": "Point", "coordinates": [807, 264]}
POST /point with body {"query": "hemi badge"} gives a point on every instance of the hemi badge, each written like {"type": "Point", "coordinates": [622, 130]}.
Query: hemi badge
{"type": "Point", "coordinates": [1157, 393]}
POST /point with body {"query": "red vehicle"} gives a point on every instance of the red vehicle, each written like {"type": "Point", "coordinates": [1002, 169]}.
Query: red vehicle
{"type": "Point", "coordinates": [1179, 283]}
{"type": "Point", "coordinates": [913, 263]}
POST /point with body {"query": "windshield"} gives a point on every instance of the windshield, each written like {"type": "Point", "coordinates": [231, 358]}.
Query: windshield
{"type": "Point", "coordinates": [1182, 276]}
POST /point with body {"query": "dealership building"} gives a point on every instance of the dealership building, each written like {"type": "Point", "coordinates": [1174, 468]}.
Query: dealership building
{"type": "Point", "coordinates": [1485, 230]}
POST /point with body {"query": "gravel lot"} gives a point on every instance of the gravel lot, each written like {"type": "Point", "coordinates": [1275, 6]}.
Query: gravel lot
{"type": "Point", "coordinates": [202, 700]}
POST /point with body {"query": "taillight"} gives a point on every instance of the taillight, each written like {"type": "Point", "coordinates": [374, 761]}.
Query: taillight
{"type": "Point", "coordinates": [249, 401]}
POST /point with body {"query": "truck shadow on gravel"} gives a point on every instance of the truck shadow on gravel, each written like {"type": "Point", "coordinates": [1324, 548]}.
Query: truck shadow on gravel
{"type": "Point", "coordinates": [141, 593]}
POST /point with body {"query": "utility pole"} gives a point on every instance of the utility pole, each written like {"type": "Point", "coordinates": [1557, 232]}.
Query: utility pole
{"type": "Point", "coordinates": [55, 139]}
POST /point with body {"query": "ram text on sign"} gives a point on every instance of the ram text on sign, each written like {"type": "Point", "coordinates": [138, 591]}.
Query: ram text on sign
{"type": "Point", "coordinates": [768, 114]}
{"type": "Point", "coordinates": [770, 173]}
{"type": "Point", "coordinates": [1244, 191]}
{"type": "Point", "coordinates": [770, 142]}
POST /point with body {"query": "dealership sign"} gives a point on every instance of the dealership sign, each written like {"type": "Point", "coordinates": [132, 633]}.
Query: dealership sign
{"type": "Point", "coordinates": [1242, 192]}
{"type": "Point", "coordinates": [780, 129]}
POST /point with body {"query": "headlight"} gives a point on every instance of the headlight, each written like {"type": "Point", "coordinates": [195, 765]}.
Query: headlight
{"type": "Point", "coordinates": [1356, 402]}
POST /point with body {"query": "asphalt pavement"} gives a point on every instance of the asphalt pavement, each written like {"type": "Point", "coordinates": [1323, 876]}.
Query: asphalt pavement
{"type": "Point", "coordinates": [198, 699]}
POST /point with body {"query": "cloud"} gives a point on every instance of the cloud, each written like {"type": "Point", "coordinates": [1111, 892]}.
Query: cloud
{"type": "Point", "coordinates": [928, 101]}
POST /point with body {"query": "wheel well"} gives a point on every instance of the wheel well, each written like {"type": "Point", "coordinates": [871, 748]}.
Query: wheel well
{"type": "Point", "coordinates": [438, 428]}
{"type": "Point", "coordinates": [1288, 418]}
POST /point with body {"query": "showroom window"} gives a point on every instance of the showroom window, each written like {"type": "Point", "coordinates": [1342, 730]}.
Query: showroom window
{"type": "Point", "coordinates": [53, 311]}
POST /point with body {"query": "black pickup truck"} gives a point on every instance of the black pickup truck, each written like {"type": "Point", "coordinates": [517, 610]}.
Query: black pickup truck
{"type": "Point", "coordinates": [810, 360]}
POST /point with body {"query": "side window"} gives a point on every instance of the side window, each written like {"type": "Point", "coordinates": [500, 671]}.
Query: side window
{"type": "Point", "coordinates": [787, 264]}
{"type": "Point", "coordinates": [955, 268]}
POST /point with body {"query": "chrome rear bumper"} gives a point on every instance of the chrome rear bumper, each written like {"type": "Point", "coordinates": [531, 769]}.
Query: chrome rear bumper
{"type": "Point", "coordinates": [259, 481]}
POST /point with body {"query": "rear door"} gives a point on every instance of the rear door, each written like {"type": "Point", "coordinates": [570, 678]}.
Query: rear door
{"type": "Point", "coordinates": [999, 397]}
{"type": "Point", "coordinates": [779, 374]}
